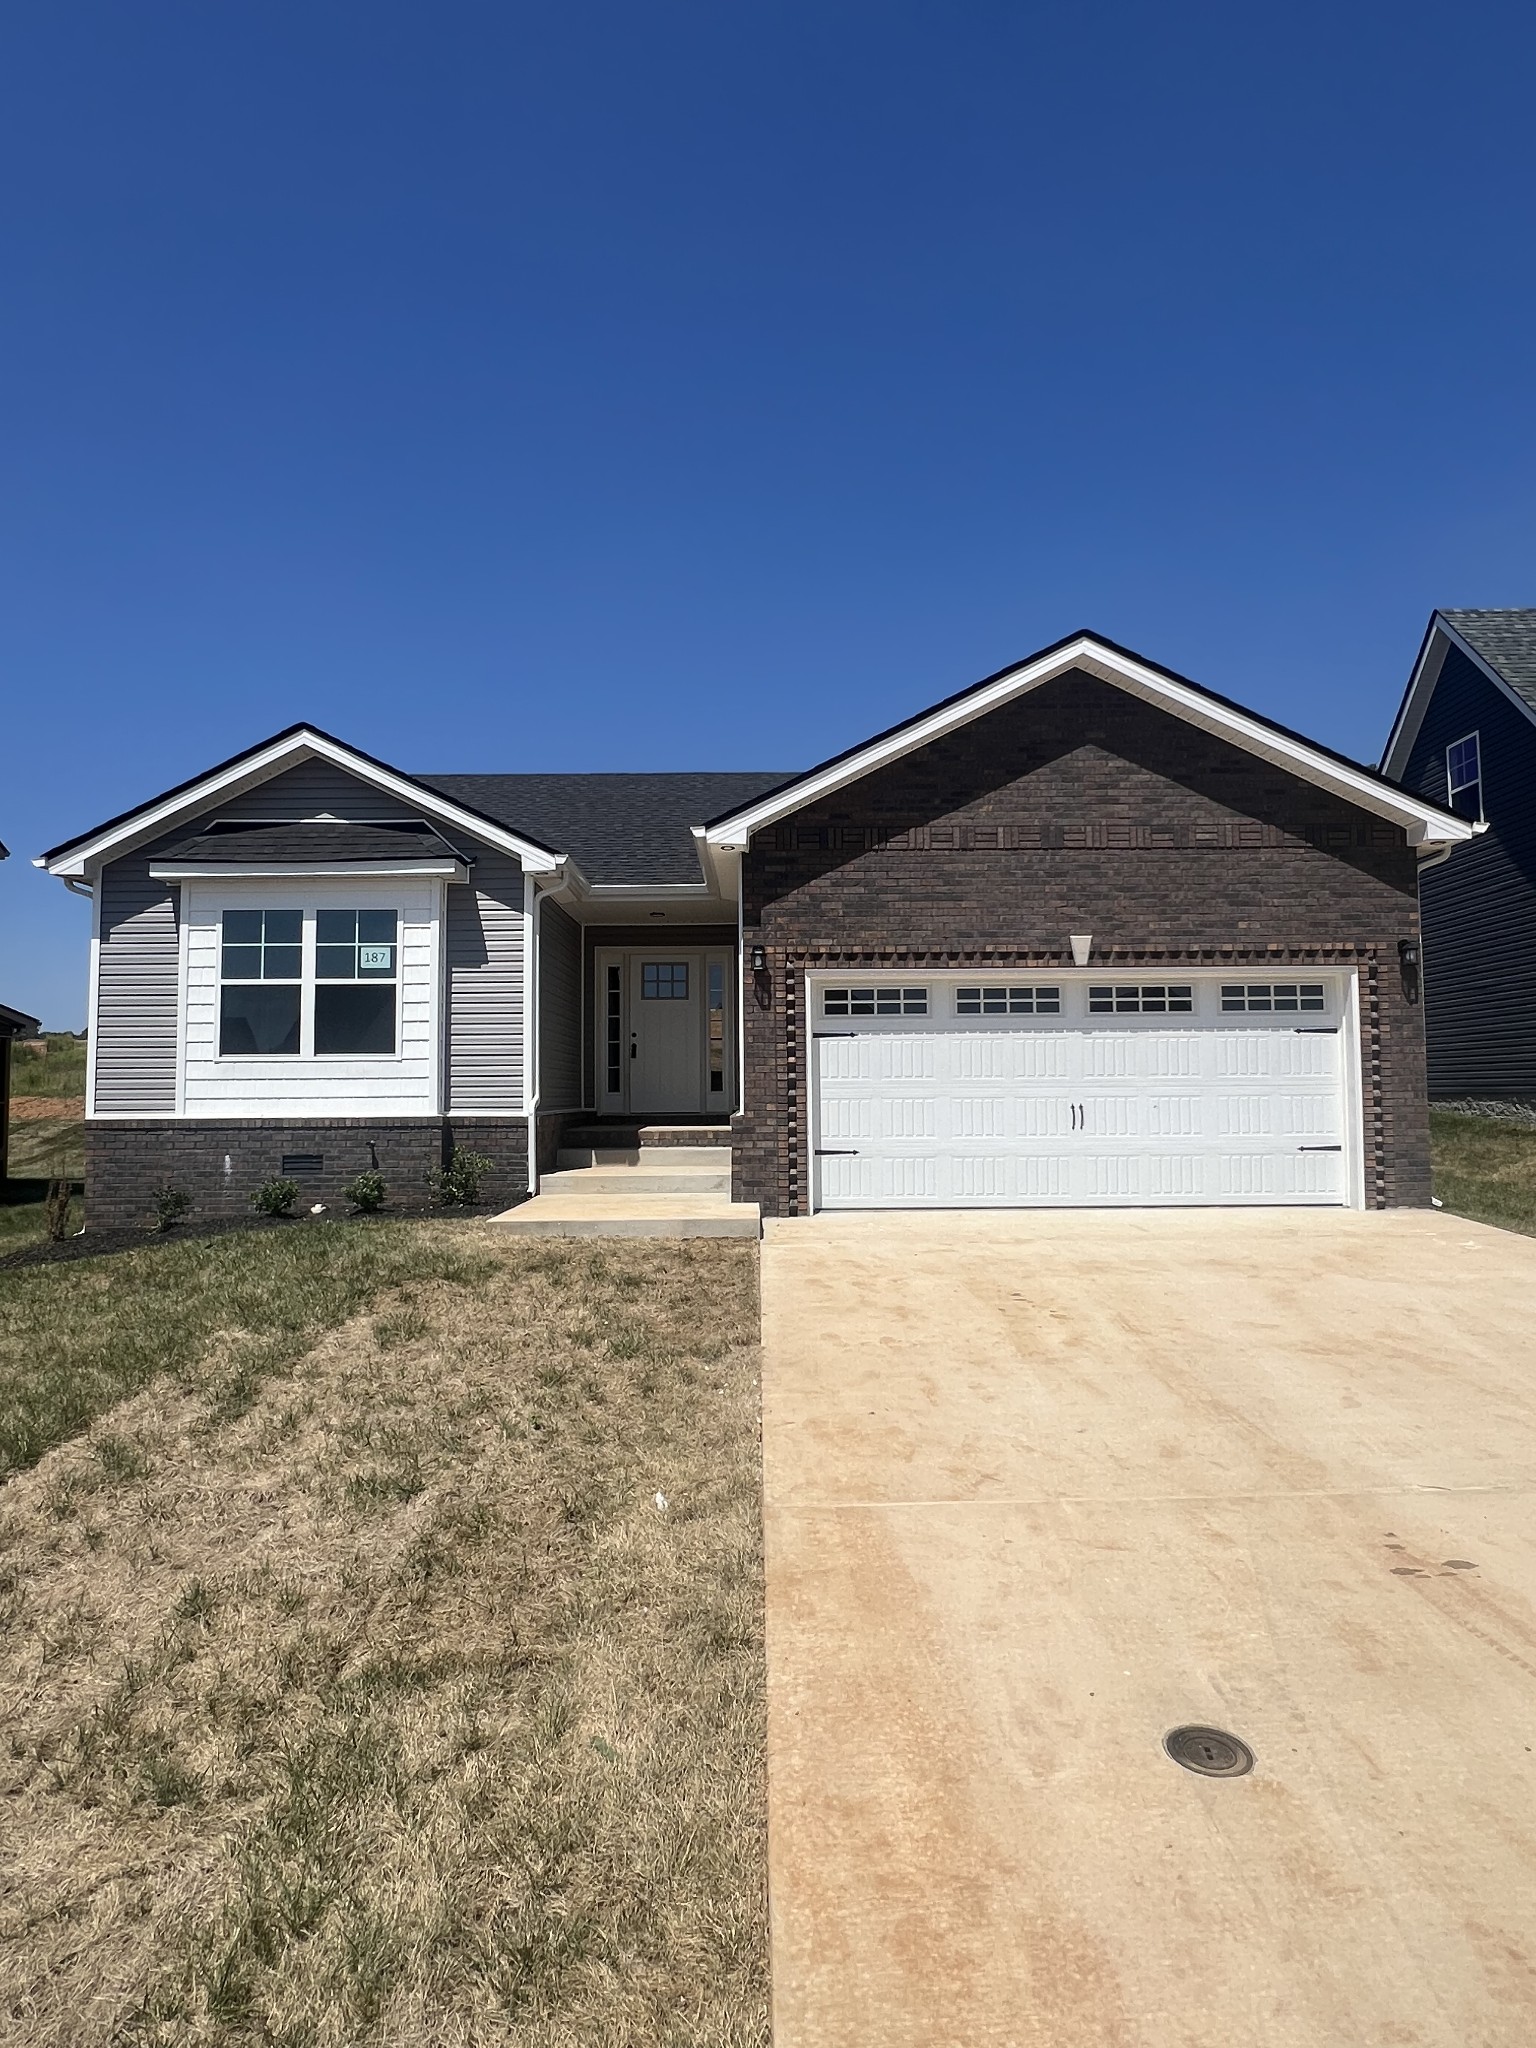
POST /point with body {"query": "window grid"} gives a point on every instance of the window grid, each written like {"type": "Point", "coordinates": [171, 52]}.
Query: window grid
{"type": "Point", "coordinates": [1008, 1002]}
{"type": "Point", "coordinates": [716, 1028]}
{"type": "Point", "coordinates": [874, 1002]}
{"type": "Point", "coordinates": [615, 1030]}
{"type": "Point", "coordinates": [1151, 998]}
{"type": "Point", "coordinates": [1287, 996]}
{"type": "Point", "coordinates": [262, 945]}
{"type": "Point", "coordinates": [664, 981]}
{"type": "Point", "coordinates": [1464, 776]}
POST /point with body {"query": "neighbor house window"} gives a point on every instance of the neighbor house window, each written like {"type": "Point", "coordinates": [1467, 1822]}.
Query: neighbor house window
{"type": "Point", "coordinates": [356, 952]}
{"type": "Point", "coordinates": [262, 991]}
{"type": "Point", "coordinates": [273, 1006]}
{"type": "Point", "coordinates": [1464, 776]}
{"type": "Point", "coordinates": [1150, 998]}
{"type": "Point", "coordinates": [874, 1002]}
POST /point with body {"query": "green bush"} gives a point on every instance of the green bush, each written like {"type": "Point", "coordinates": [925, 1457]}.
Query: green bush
{"type": "Point", "coordinates": [275, 1197]}
{"type": "Point", "coordinates": [366, 1193]}
{"type": "Point", "coordinates": [171, 1204]}
{"type": "Point", "coordinates": [458, 1183]}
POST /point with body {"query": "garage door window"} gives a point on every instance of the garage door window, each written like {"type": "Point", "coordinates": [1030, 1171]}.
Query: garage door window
{"type": "Point", "coordinates": [1008, 1002]}
{"type": "Point", "coordinates": [1152, 998]}
{"type": "Point", "coordinates": [874, 1002]}
{"type": "Point", "coordinates": [1273, 995]}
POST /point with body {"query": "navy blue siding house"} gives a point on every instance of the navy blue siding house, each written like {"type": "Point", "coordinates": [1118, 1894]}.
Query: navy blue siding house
{"type": "Point", "coordinates": [1466, 737]}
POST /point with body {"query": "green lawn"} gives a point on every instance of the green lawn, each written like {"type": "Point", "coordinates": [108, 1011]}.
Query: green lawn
{"type": "Point", "coordinates": [58, 1071]}
{"type": "Point", "coordinates": [1485, 1169]}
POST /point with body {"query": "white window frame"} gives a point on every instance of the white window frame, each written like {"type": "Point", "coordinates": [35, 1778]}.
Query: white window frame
{"type": "Point", "coordinates": [1475, 740]}
{"type": "Point", "coordinates": [308, 983]}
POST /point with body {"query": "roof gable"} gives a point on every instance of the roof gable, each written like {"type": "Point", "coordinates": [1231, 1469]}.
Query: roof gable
{"type": "Point", "coordinates": [1426, 824]}
{"type": "Point", "coordinates": [1500, 645]}
{"type": "Point", "coordinates": [259, 764]}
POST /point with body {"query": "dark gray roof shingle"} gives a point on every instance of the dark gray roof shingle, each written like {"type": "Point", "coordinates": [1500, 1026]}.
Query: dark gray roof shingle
{"type": "Point", "coordinates": [312, 840]}
{"type": "Point", "coordinates": [1507, 642]}
{"type": "Point", "coordinates": [617, 828]}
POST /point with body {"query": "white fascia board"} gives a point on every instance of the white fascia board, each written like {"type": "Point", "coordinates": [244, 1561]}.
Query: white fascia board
{"type": "Point", "coordinates": [1421, 690]}
{"type": "Point", "coordinates": [258, 768]}
{"type": "Point", "coordinates": [250, 871]}
{"type": "Point", "coordinates": [1249, 733]}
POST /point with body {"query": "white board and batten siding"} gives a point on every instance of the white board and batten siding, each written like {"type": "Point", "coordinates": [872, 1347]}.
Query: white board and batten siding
{"type": "Point", "coordinates": [404, 1083]}
{"type": "Point", "coordinates": [1079, 1110]}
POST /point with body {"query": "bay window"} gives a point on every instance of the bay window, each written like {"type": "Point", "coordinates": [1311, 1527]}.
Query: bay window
{"type": "Point", "coordinates": [318, 984]}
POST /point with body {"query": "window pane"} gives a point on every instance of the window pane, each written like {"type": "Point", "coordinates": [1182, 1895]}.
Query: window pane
{"type": "Point", "coordinates": [664, 981]}
{"type": "Point", "coordinates": [284, 927]}
{"type": "Point", "coordinates": [375, 961]}
{"type": "Point", "coordinates": [376, 927]}
{"type": "Point", "coordinates": [242, 963]}
{"type": "Point", "coordinates": [242, 927]}
{"type": "Point", "coordinates": [355, 1018]}
{"type": "Point", "coordinates": [336, 963]}
{"type": "Point", "coordinates": [259, 1020]}
{"type": "Point", "coordinates": [335, 927]}
{"type": "Point", "coordinates": [280, 963]}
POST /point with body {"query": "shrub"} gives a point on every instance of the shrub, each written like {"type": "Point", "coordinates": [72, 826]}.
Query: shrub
{"type": "Point", "coordinates": [171, 1204]}
{"type": "Point", "coordinates": [275, 1197]}
{"type": "Point", "coordinates": [56, 1209]}
{"type": "Point", "coordinates": [366, 1193]}
{"type": "Point", "coordinates": [458, 1183]}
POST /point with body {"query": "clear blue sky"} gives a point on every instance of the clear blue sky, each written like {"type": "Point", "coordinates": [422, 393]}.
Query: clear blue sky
{"type": "Point", "coordinates": [706, 386]}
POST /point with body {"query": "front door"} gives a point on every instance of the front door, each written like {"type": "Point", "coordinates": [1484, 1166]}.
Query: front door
{"type": "Point", "coordinates": [665, 1045]}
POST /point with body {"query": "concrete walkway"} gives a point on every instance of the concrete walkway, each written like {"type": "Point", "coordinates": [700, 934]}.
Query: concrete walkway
{"type": "Point", "coordinates": [1042, 1487]}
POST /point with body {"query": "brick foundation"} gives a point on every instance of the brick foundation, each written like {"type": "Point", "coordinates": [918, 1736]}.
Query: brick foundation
{"type": "Point", "coordinates": [1077, 809]}
{"type": "Point", "coordinates": [220, 1164]}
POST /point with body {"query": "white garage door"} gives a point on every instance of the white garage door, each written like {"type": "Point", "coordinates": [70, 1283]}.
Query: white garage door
{"type": "Point", "coordinates": [1079, 1092]}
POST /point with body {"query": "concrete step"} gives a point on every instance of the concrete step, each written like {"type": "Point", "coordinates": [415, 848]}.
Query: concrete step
{"type": "Point", "coordinates": [621, 1178]}
{"type": "Point", "coordinates": [628, 1137]}
{"type": "Point", "coordinates": [594, 1214]}
{"type": "Point", "coordinates": [656, 1158]}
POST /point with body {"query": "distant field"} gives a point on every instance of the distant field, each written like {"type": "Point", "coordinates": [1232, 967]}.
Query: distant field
{"type": "Point", "coordinates": [60, 1071]}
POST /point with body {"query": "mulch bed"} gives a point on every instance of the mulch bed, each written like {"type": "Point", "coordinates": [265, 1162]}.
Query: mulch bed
{"type": "Point", "coordinates": [96, 1244]}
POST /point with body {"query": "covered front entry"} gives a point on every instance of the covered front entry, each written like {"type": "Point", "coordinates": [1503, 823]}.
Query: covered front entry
{"type": "Point", "coordinates": [1084, 1090]}
{"type": "Point", "coordinates": [665, 1040]}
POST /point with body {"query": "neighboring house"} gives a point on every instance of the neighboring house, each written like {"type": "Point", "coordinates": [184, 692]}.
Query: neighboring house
{"type": "Point", "coordinates": [1084, 934]}
{"type": "Point", "coordinates": [1465, 736]}
{"type": "Point", "coordinates": [13, 1024]}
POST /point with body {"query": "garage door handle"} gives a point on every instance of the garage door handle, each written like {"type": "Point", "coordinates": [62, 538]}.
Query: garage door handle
{"type": "Point", "coordinates": [834, 1152]}
{"type": "Point", "coordinates": [834, 1034]}
{"type": "Point", "coordinates": [1315, 1030]}
{"type": "Point", "coordinates": [1319, 1148]}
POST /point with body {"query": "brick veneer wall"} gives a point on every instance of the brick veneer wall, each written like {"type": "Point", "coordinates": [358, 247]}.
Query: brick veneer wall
{"type": "Point", "coordinates": [1078, 808]}
{"type": "Point", "coordinates": [126, 1161]}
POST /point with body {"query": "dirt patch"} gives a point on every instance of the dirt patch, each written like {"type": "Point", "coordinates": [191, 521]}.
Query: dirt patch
{"type": "Point", "coordinates": [40, 1109]}
{"type": "Point", "coordinates": [414, 1696]}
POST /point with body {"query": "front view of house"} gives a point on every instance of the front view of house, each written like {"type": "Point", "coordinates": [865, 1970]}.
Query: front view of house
{"type": "Point", "coordinates": [1084, 934]}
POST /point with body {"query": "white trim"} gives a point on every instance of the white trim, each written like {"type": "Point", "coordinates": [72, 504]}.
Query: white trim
{"type": "Point", "coordinates": [1421, 689]}
{"type": "Point", "coordinates": [301, 870]}
{"type": "Point", "coordinates": [530, 1029]}
{"type": "Point", "coordinates": [1354, 1094]}
{"type": "Point", "coordinates": [181, 999]}
{"type": "Point", "coordinates": [1356, 786]}
{"type": "Point", "coordinates": [270, 760]}
{"type": "Point", "coordinates": [92, 1001]}
{"type": "Point", "coordinates": [439, 989]}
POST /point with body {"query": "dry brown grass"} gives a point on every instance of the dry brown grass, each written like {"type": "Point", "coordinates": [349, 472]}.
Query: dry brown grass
{"type": "Point", "coordinates": [390, 1707]}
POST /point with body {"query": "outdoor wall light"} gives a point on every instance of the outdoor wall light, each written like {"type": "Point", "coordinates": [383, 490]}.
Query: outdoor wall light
{"type": "Point", "coordinates": [759, 960]}
{"type": "Point", "coordinates": [1408, 961]}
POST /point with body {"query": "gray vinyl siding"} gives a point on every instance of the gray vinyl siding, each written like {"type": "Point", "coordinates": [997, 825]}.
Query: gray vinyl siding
{"type": "Point", "coordinates": [1479, 908]}
{"type": "Point", "coordinates": [313, 789]}
{"type": "Point", "coordinates": [137, 990]}
{"type": "Point", "coordinates": [483, 1042]}
{"type": "Point", "coordinates": [560, 1064]}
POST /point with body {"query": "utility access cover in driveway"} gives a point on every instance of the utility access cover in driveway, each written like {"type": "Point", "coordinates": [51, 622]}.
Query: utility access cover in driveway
{"type": "Point", "coordinates": [1042, 1489]}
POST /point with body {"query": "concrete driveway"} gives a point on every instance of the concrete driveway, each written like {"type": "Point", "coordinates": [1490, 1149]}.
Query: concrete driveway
{"type": "Point", "coordinates": [1041, 1488]}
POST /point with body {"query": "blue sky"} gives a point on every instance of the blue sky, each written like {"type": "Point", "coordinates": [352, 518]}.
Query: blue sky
{"type": "Point", "coordinates": [705, 386]}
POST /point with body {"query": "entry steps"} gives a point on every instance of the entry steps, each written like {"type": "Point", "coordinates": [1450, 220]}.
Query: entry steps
{"type": "Point", "coordinates": [644, 1190]}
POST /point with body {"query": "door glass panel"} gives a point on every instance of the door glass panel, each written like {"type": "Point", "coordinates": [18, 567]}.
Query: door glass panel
{"type": "Point", "coordinates": [615, 1021]}
{"type": "Point", "coordinates": [664, 981]}
{"type": "Point", "coordinates": [716, 1028]}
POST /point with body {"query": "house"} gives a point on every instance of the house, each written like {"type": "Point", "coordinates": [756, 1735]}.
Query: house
{"type": "Point", "coordinates": [1085, 933]}
{"type": "Point", "coordinates": [1465, 737]}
